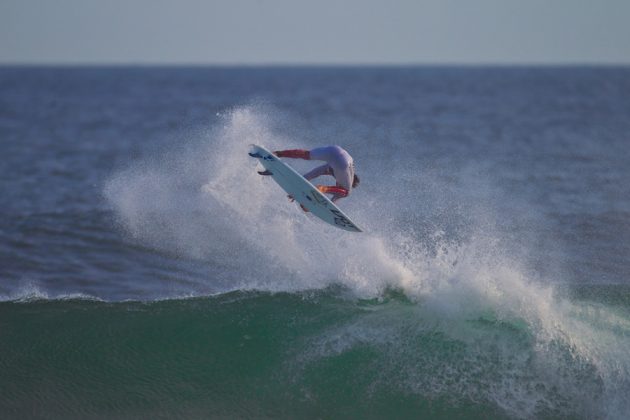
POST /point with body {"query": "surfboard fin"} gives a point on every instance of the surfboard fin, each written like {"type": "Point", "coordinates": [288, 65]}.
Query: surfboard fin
{"type": "Point", "coordinates": [265, 172]}
{"type": "Point", "coordinates": [255, 155]}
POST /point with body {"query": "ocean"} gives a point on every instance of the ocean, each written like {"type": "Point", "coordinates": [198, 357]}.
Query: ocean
{"type": "Point", "coordinates": [148, 271]}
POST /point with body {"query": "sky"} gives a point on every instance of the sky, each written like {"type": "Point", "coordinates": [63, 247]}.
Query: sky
{"type": "Point", "coordinates": [346, 32]}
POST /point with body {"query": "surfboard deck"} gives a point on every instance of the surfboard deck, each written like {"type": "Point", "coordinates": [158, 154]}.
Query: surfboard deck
{"type": "Point", "coordinates": [302, 190]}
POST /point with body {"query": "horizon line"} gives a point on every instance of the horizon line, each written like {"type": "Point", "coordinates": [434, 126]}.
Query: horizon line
{"type": "Point", "coordinates": [121, 64]}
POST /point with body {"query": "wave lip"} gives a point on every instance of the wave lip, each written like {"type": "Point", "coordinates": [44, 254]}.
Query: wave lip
{"type": "Point", "coordinates": [34, 293]}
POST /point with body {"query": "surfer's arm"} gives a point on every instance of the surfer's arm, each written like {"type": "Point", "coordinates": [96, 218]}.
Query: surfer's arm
{"type": "Point", "coordinates": [319, 171]}
{"type": "Point", "coordinates": [294, 154]}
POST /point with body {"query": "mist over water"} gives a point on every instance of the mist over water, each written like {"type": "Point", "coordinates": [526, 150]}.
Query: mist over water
{"type": "Point", "coordinates": [206, 201]}
{"type": "Point", "coordinates": [487, 283]}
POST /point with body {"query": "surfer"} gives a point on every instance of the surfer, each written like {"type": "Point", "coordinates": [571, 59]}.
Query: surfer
{"type": "Point", "coordinates": [339, 164]}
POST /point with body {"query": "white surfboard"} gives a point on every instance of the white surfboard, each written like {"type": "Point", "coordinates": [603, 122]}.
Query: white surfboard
{"type": "Point", "coordinates": [302, 190]}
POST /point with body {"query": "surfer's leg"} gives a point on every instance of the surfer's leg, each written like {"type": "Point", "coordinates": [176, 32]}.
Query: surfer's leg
{"type": "Point", "coordinates": [329, 189]}
{"type": "Point", "coordinates": [294, 153]}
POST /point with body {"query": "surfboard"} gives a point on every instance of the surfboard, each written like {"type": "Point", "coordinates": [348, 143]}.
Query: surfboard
{"type": "Point", "coordinates": [302, 190]}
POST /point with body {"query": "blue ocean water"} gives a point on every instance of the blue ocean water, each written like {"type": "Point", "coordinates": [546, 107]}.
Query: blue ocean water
{"type": "Point", "coordinates": [146, 270]}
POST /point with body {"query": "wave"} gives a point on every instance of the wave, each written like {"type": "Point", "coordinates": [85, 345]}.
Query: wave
{"type": "Point", "coordinates": [321, 350]}
{"type": "Point", "coordinates": [508, 336]}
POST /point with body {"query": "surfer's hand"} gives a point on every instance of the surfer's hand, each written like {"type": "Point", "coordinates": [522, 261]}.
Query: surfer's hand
{"type": "Point", "coordinates": [290, 197]}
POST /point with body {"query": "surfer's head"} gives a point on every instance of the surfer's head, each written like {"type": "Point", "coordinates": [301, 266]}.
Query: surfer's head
{"type": "Point", "coordinates": [355, 182]}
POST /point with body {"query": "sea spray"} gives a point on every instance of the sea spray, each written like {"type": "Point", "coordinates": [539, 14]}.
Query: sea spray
{"type": "Point", "coordinates": [481, 326]}
{"type": "Point", "coordinates": [208, 202]}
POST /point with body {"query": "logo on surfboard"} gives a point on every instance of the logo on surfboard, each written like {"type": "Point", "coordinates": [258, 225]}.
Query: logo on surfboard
{"type": "Point", "coordinates": [341, 220]}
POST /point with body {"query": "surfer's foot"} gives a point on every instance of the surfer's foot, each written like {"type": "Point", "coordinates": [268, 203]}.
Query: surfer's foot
{"type": "Point", "coordinates": [304, 208]}
{"type": "Point", "coordinates": [265, 172]}
{"type": "Point", "coordinates": [256, 155]}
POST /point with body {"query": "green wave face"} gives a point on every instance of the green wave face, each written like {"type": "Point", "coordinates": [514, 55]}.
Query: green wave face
{"type": "Point", "coordinates": [312, 354]}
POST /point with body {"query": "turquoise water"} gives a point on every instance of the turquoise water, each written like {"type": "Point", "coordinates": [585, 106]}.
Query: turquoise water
{"type": "Point", "coordinates": [311, 354]}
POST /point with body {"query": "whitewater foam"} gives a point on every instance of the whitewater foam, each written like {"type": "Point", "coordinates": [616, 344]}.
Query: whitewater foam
{"type": "Point", "coordinates": [206, 201]}
{"type": "Point", "coordinates": [32, 292]}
